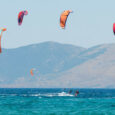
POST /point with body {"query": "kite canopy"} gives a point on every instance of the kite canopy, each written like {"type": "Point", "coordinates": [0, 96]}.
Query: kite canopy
{"type": "Point", "coordinates": [2, 30]}
{"type": "Point", "coordinates": [21, 16]}
{"type": "Point", "coordinates": [63, 18]}
{"type": "Point", "coordinates": [31, 72]}
{"type": "Point", "coordinates": [114, 28]}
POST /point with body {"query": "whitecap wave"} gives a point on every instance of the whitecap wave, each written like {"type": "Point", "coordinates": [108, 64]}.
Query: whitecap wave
{"type": "Point", "coordinates": [61, 94]}
{"type": "Point", "coordinates": [64, 94]}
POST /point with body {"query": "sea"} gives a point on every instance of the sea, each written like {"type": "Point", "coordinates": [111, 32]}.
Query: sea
{"type": "Point", "coordinates": [56, 101]}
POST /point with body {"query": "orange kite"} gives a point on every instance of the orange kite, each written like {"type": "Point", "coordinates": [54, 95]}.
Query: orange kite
{"type": "Point", "coordinates": [63, 18]}
{"type": "Point", "coordinates": [1, 30]}
{"type": "Point", "coordinates": [31, 72]}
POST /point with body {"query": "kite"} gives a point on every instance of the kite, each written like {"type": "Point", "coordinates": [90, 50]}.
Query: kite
{"type": "Point", "coordinates": [63, 18]}
{"type": "Point", "coordinates": [1, 30]}
{"type": "Point", "coordinates": [31, 72]}
{"type": "Point", "coordinates": [21, 16]}
{"type": "Point", "coordinates": [114, 28]}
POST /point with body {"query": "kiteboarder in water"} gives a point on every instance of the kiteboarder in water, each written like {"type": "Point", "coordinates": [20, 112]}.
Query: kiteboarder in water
{"type": "Point", "coordinates": [76, 93]}
{"type": "Point", "coordinates": [70, 91]}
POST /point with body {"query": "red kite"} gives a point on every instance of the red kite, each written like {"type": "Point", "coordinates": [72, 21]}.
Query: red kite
{"type": "Point", "coordinates": [21, 16]}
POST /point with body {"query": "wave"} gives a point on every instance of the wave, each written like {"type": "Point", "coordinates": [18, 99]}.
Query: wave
{"type": "Point", "coordinates": [62, 94]}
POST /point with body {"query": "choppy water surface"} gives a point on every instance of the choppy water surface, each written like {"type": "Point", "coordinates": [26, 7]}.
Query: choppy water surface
{"type": "Point", "coordinates": [57, 102]}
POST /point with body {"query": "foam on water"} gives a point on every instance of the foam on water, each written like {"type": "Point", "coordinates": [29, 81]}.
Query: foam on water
{"type": "Point", "coordinates": [64, 94]}
{"type": "Point", "coordinates": [61, 94]}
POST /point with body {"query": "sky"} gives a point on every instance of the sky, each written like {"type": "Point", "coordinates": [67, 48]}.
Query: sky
{"type": "Point", "coordinates": [90, 23]}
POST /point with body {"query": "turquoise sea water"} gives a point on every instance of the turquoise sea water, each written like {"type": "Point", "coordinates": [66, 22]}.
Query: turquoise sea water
{"type": "Point", "coordinates": [57, 102]}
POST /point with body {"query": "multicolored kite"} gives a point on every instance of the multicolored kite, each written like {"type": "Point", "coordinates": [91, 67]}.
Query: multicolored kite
{"type": "Point", "coordinates": [114, 28]}
{"type": "Point", "coordinates": [21, 16]}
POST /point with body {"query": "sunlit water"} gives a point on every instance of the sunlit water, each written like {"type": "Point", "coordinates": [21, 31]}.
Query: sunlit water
{"type": "Point", "coordinates": [57, 102]}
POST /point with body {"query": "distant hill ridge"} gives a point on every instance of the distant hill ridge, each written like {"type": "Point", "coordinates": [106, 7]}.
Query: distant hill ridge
{"type": "Point", "coordinates": [81, 67]}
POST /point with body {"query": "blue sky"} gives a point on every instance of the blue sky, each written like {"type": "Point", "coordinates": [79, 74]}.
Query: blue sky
{"type": "Point", "coordinates": [90, 23]}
